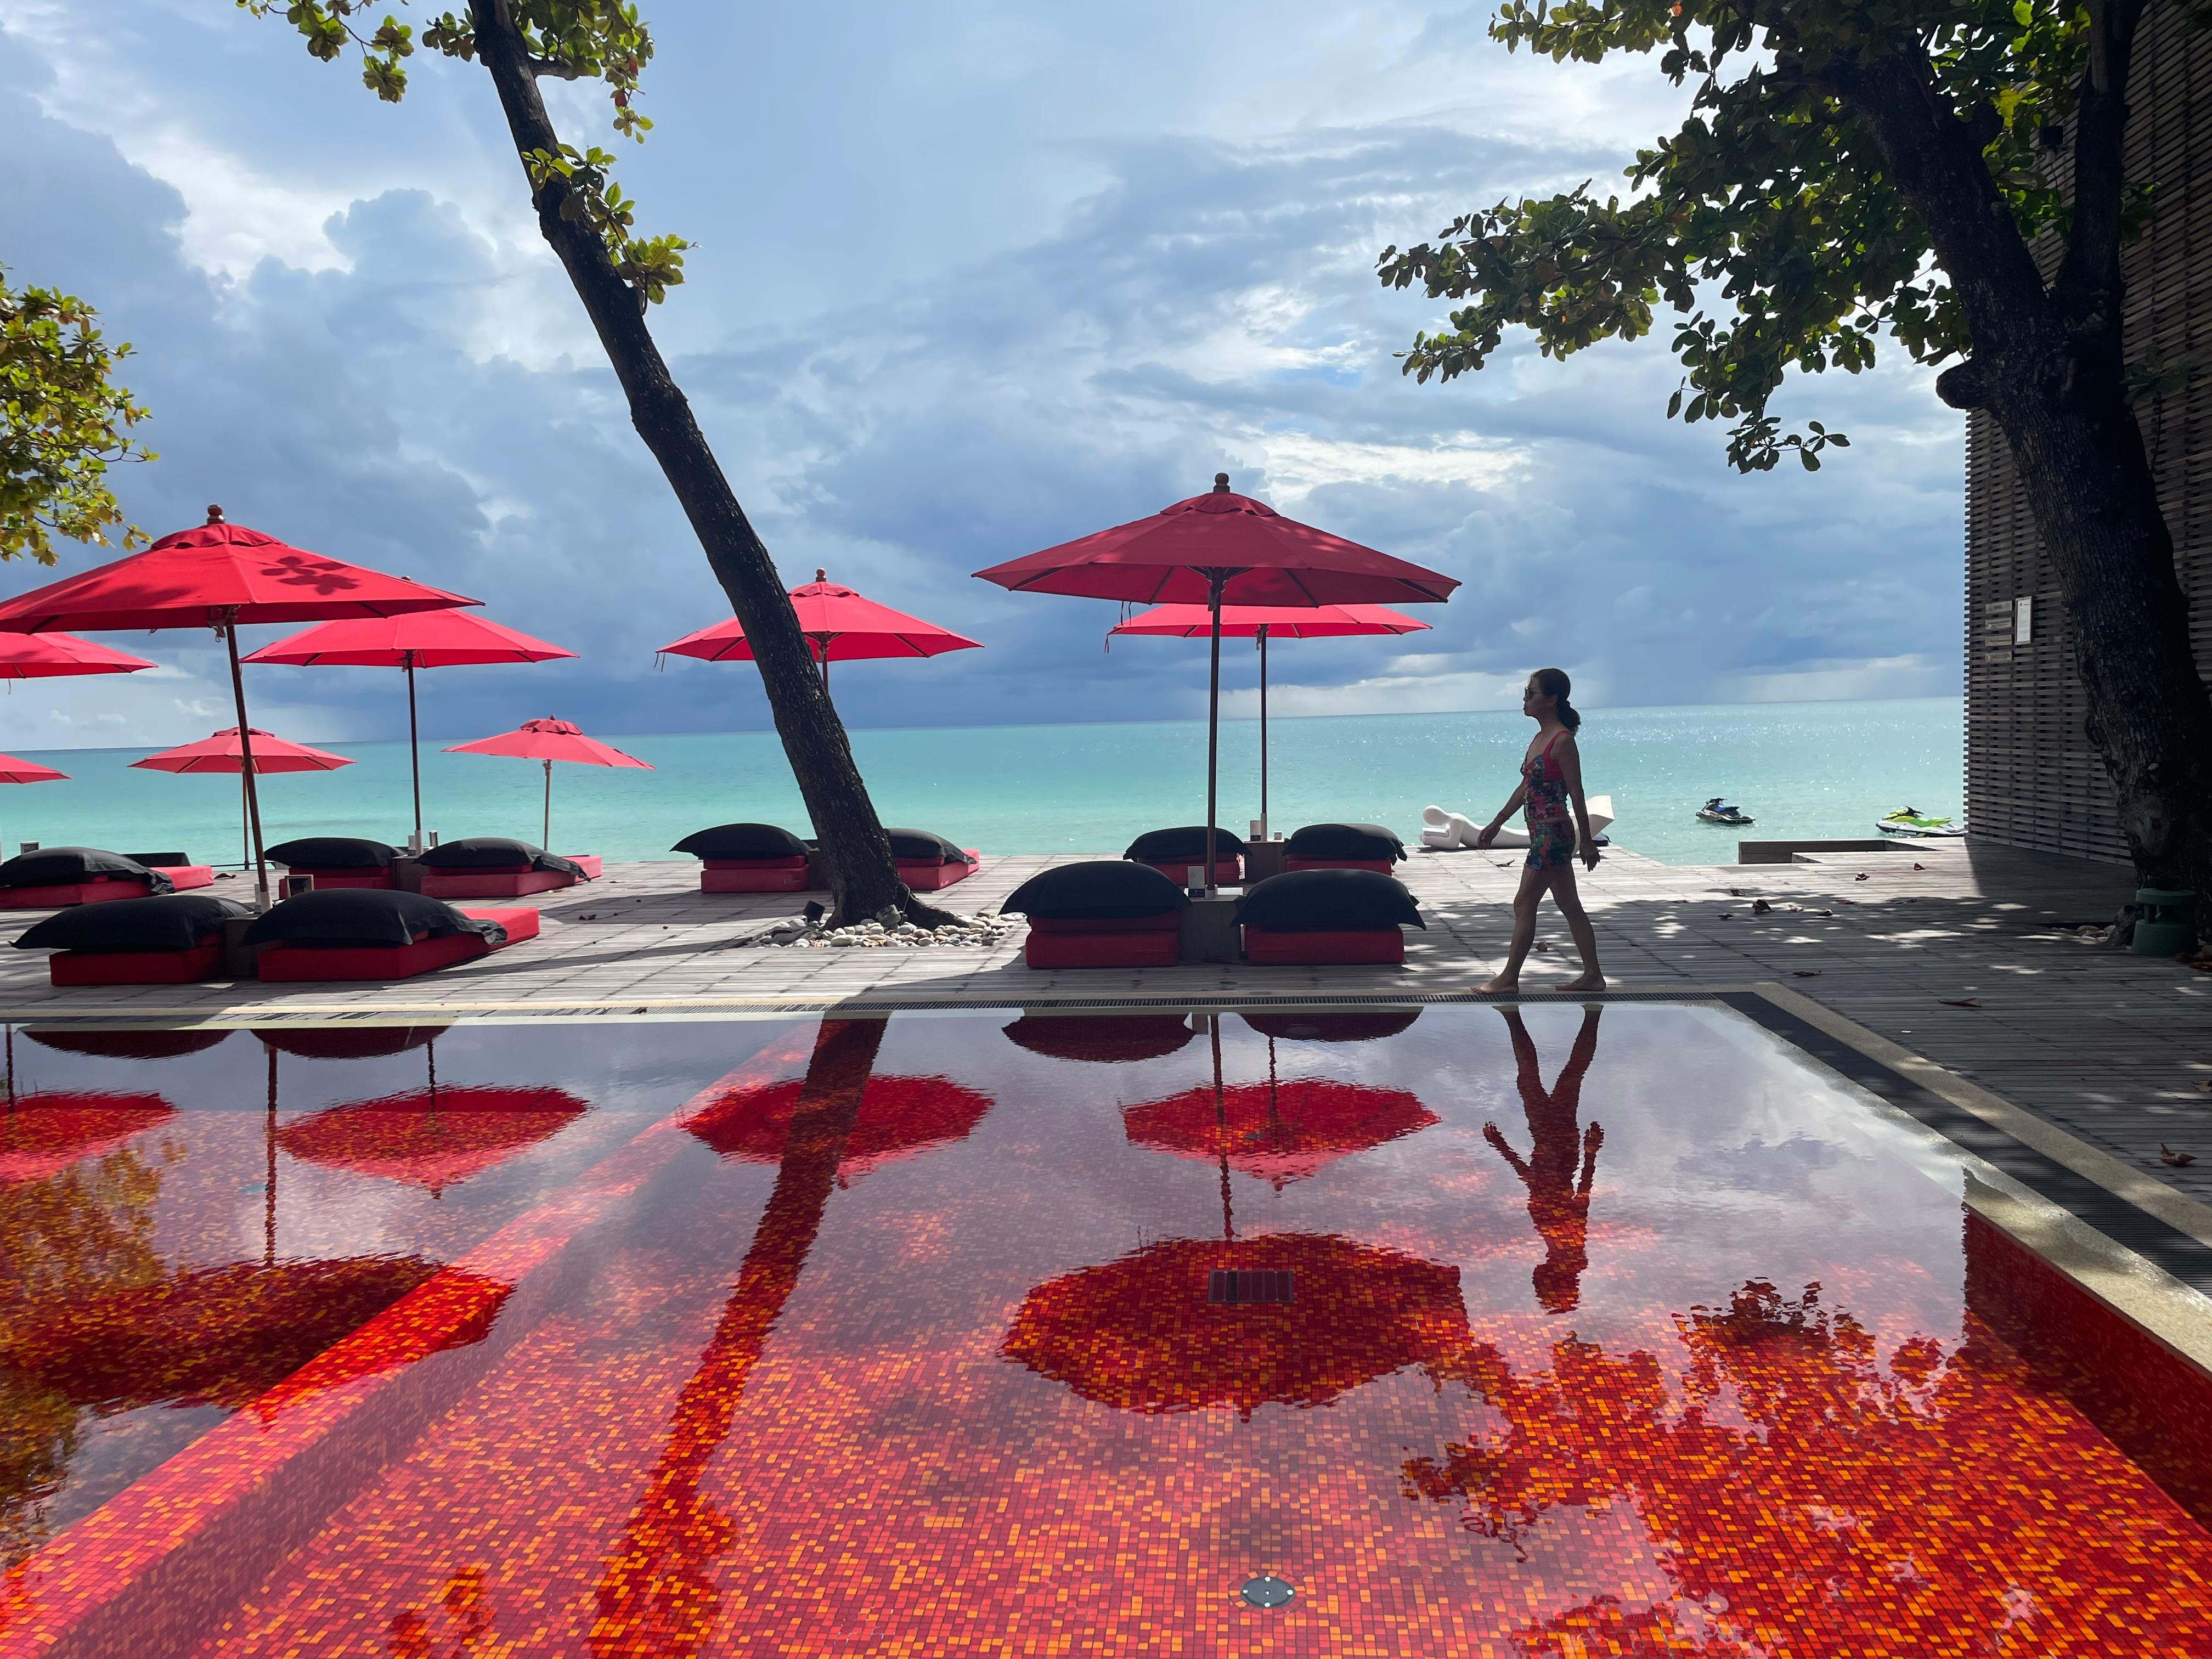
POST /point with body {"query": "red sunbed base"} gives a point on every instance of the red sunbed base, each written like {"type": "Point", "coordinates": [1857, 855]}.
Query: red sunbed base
{"type": "Point", "coordinates": [1380, 867]}
{"type": "Point", "coordinates": [73, 892]}
{"type": "Point", "coordinates": [136, 967]}
{"type": "Point", "coordinates": [929, 877]}
{"type": "Point", "coordinates": [382, 878]}
{"type": "Point", "coordinates": [1286, 950]}
{"type": "Point", "coordinates": [1122, 942]}
{"type": "Point", "coordinates": [494, 883]}
{"type": "Point", "coordinates": [295, 963]}
{"type": "Point", "coordinates": [754, 876]}
{"type": "Point", "coordinates": [1227, 873]}
{"type": "Point", "coordinates": [183, 876]}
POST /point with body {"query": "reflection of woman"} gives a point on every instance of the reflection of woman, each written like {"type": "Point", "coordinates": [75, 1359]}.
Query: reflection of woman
{"type": "Point", "coordinates": [1559, 1196]}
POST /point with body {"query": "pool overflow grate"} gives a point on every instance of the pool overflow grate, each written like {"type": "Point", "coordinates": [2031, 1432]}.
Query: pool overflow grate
{"type": "Point", "coordinates": [1266, 1590]}
{"type": "Point", "coordinates": [1229, 1285]}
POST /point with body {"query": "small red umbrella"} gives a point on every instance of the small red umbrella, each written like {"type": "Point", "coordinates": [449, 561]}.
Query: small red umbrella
{"type": "Point", "coordinates": [422, 639]}
{"type": "Point", "coordinates": [898, 1117]}
{"type": "Point", "coordinates": [1279, 1131]}
{"type": "Point", "coordinates": [840, 626]}
{"type": "Point", "coordinates": [550, 740]}
{"type": "Point", "coordinates": [219, 575]}
{"type": "Point", "coordinates": [433, 1138]}
{"type": "Point", "coordinates": [260, 751]}
{"type": "Point", "coordinates": [59, 656]}
{"type": "Point", "coordinates": [1263, 623]}
{"type": "Point", "coordinates": [1221, 549]}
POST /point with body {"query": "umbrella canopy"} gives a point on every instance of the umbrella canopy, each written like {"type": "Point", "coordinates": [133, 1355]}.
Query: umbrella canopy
{"type": "Point", "coordinates": [898, 1117]}
{"type": "Point", "coordinates": [1221, 549]}
{"type": "Point", "coordinates": [217, 575]}
{"type": "Point", "coordinates": [1108, 1038]}
{"type": "Point", "coordinates": [58, 656]}
{"type": "Point", "coordinates": [431, 1138]}
{"type": "Point", "coordinates": [840, 625]}
{"type": "Point", "coordinates": [550, 740]}
{"type": "Point", "coordinates": [1321, 1026]}
{"type": "Point", "coordinates": [348, 1041]}
{"type": "Point", "coordinates": [129, 1045]}
{"type": "Point", "coordinates": [42, 1135]}
{"type": "Point", "coordinates": [223, 751]}
{"type": "Point", "coordinates": [22, 771]}
{"type": "Point", "coordinates": [1279, 1132]}
{"type": "Point", "coordinates": [1146, 1333]}
{"type": "Point", "coordinates": [1262, 623]}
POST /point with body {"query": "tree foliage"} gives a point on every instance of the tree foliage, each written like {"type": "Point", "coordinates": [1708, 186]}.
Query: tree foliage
{"type": "Point", "coordinates": [1771, 224]}
{"type": "Point", "coordinates": [64, 421]}
{"type": "Point", "coordinates": [603, 40]}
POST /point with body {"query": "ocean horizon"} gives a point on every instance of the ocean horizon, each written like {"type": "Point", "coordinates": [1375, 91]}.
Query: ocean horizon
{"type": "Point", "coordinates": [1815, 770]}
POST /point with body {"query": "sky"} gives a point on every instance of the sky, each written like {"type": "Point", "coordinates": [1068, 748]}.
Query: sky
{"type": "Point", "coordinates": [967, 280]}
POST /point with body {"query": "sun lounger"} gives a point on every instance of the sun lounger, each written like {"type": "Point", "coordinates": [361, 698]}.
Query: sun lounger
{"type": "Point", "coordinates": [1343, 846]}
{"type": "Point", "coordinates": [339, 860]}
{"type": "Point", "coordinates": [493, 867]}
{"type": "Point", "coordinates": [54, 877]}
{"type": "Point", "coordinates": [169, 940]}
{"type": "Point", "coordinates": [356, 934]}
{"type": "Point", "coordinates": [749, 858]}
{"type": "Point", "coordinates": [1173, 852]}
{"type": "Point", "coordinates": [1108, 913]}
{"type": "Point", "coordinates": [1309, 918]}
{"type": "Point", "coordinates": [928, 862]}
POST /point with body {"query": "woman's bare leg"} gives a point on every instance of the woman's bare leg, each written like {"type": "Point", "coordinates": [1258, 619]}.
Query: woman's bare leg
{"type": "Point", "coordinates": [1524, 932]}
{"type": "Point", "coordinates": [1569, 900]}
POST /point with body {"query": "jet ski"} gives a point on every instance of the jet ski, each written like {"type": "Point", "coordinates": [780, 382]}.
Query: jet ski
{"type": "Point", "coordinates": [1918, 826]}
{"type": "Point", "coordinates": [1717, 810]}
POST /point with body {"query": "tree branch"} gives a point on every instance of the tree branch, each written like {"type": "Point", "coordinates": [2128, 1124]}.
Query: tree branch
{"type": "Point", "coordinates": [553, 67]}
{"type": "Point", "coordinates": [2088, 288]}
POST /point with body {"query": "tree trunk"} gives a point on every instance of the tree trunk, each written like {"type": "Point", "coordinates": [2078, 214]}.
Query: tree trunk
{"type": "Point", "coordinates": [857, 856]}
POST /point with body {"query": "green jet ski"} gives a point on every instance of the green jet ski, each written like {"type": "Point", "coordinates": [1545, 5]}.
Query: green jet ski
{"type": "Point", "coordinates": [1918, 826]}
{"type": "Point", "coordinates": [1717, 810]}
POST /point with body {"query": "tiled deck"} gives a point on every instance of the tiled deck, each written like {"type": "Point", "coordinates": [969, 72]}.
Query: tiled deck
{"type": "Point", "coordinates": [2113, 1048]}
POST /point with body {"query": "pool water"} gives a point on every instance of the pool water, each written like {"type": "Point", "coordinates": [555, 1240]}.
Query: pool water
{"type": "Point", "coordinates": [1541, 1332]}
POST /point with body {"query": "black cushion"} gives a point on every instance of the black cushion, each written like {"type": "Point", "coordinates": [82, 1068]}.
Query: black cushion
{"type": "Point", "coordinates": [60, 866]}
{"type": "Point", "coordinates": [176, 921]}
{"type": "Point", "coordinates": [920, 847]}
{"type": "Point", "coordinates": [1346, 841]}
{"type": "Point", "coordinates": [742, 840]}
{"type": "Point", "coordinates": [1187, 841]}
{"type": "Point", "coordinates": [333, 852]}
{"type": "Point", "coordinates": [495, 853]}
{"type": "Point", "coordinates": [1328, 901]}
{"type": "Point", "coordinates": [364, 915]}
{"type": "Point", "coordinates": [1102, 890]}
{"type": "Point", "coordinates": [161, 860]}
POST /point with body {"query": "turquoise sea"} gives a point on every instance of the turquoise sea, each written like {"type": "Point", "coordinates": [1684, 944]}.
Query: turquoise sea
{"type": "Point", "coordinates": [1802, 769]}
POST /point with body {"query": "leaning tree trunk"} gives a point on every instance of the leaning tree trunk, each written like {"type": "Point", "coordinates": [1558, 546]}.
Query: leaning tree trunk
{"type": "Point", "coordinates": [863, 875]}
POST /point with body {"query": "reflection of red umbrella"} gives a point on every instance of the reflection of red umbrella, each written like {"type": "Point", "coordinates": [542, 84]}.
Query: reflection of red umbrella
{"type": "Point", "coordinates": [424, 639]}
{"type": "Point", "coordinates": [226, 752]}
{"type": "Point", "coordinates": [128, 1045]}
{"type": "Point", "coordinates": [1153, 1331]}
{"type": "Point", "coordinates": [431, 1138]}
{"type": "Point", "coordinates": [219, 575]}
{"type": "Point", "coordinates": [550, 740]}
{"type": "Point", "coordinates": [1279, 1132]}
{"type": "Point", "coordinates": [42, 1135]}
{"type": "Point", "coordinates": [61, 656]}
{"type": "Point", "coordinates": [1323, 1027]}
{"type": "Point", "coordinates": [1221, 549]}
{"type": "Point", "coordinates": [898, 1117]}
{"type": "Point", "coordinates": [1262, 623]}
{"type": "Point", "coordinates": [1107, 1037]}
{"type": "Point", "coordinates": [840, 626]}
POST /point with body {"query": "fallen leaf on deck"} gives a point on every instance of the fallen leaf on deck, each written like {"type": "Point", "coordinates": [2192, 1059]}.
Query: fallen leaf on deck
{"type": "Point", "coordinates": [2167, 1155]}
{"type": "Point", "coordinates": [1807, 973]}
{"type": "Point", "coordinates": [1959, 1002]}
{"type": "Point", "coordinates": [1862, 875]}
{"type": "Point", "coordinates": [1920, 866]}
{"type": "Point", "coordinates": [1541, 945]}
{"type": "Point", "coordinates": [1760, 907]}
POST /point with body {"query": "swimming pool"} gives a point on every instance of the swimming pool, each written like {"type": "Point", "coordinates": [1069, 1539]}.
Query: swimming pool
{"type": "Point", "coordinates": [1546, 1331]}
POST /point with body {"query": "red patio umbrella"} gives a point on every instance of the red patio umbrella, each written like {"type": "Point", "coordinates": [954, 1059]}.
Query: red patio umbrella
{"type": "Point", "coordinates": [550, 740]}
{"type": "Point", "coordinates": [257, 751]}
{"type": "Point", "coordinates": [840, 626]}
{"type": "Point", "coordinates": [433, 1138]}
{"type": "Point", "coordinates": [422, 639]}
{"type": "Point", "coordinates": [1221, 549]}
{"type": "Point", "coordinates": [898, 1117]}
{"type": "Point", "coordinates": [1280, 1132]}
{"type": "Point", "coordinates": [42, 1135]}
{"type": "Point", "coordinates": [13, 770]}
{"type": "Point", "coordinates": [60, 656]}
{"type": "Point", "coordinates": [1262, 623]}
{"type": "Point", "coordinates": [219, 575]}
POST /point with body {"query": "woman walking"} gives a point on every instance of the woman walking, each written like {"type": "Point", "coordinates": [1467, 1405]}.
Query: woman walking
{"type": "Point", "coordinates": [1550, 781]}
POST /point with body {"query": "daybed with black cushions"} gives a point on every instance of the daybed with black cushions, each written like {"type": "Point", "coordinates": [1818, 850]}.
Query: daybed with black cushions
{"type": "Point", "coordinates": [1108, 913]}
{"type": "Point", "coordinates": [55, 876]}
{"type": "Point", "coordinates": [748, 857]}
{"type": "Point", "coordinates": [927, 862]}
{"type": "Point", "coordinates": [492, 866]}
{"type": "Point", "coordinates": [338, 861]}
{"type": "Point", "coordinates": [1309, 917]}
{"type": "Point", "coordinates": [1343, 846]}
{"type": "Point", "coordinates": [364, 933]}
{"type": "Point", "coordinates": [1172, 853]}
{"type": "Point", "coordinates": [170, 940]}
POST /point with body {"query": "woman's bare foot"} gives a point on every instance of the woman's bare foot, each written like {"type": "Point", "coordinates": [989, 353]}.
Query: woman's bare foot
{"type": "Point", "coordinates": [1500, 986]}
{"type": "Point", "coordinates": [1587, 982]}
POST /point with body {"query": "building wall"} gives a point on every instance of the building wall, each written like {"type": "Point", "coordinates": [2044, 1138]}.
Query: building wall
{"type": "Point", "coordinates": [2032, 778]}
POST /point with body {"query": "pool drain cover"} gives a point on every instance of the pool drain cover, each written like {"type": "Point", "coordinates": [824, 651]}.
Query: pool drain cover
{"type": "Point", "coordinates": [1267, 1591]}
{"type": "Point", "coordinates": [1234, 1285]}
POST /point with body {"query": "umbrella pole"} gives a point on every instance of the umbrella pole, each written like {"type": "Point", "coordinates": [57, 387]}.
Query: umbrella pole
{"type": "Point", "coordinates": [547, 831]}
{"type": "Point", "coordinates": [1263, 730]}
{"type": "Point", "coordinates": [244, 823]}
{"type": "Point", "coordinates": [245, 760]}
{"type": "Point", "coordinates": [1221, 1128]}
{"type": "Point", "coordinates": [269, 1185]}
{"type": "Point", "coordinates": [1213, 719]}
{"type": "Point", "coordinates": [413, 750]}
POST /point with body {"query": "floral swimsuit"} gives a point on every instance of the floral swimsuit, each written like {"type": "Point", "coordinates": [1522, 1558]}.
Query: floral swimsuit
{"type": "Point", "coordinates": [1550, 830]}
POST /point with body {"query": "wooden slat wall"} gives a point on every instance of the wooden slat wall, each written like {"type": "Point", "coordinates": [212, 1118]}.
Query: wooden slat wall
{"type": "Point", "coordinates": [2032, 778]}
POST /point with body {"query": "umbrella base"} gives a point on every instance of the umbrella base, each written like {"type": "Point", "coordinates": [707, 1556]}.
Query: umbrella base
{"type": "Point", "coordinates": [1379, 945]}
{"type": "Point", "coordinates": [136, 967]}
{"type": "Point", "coordinates": [293, 964]}
{"type": "Point", "coordinates": [1122, 942]}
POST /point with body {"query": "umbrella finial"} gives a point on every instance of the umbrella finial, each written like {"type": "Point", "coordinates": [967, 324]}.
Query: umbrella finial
{"type": "Point", "coordinates": [215, 513]}
{"type": "Point", "coordinates": [1221, 484]}
{"type": "Point", "coordinates": [820, 575]}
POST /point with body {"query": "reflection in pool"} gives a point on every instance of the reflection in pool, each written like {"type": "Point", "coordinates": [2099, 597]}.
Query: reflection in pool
{"type": "Point", "coordinates": [958, 1331]}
